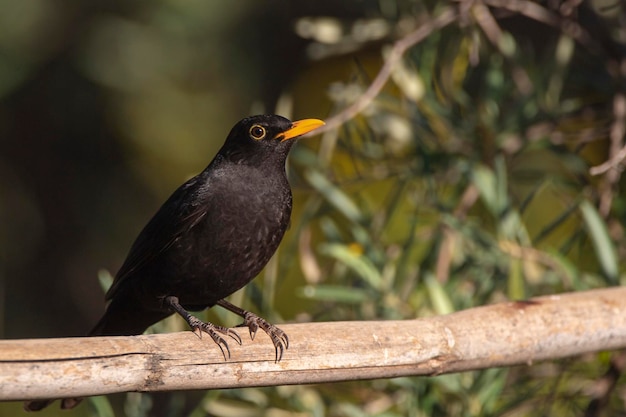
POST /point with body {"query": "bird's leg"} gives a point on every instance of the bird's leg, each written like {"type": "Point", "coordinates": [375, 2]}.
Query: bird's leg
{"type": "Point", "coordinates": [254, 322]}
{"type": "Point", "coordinates": [211, 329]}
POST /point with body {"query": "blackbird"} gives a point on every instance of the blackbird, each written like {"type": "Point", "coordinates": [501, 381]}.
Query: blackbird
{"type": "Point", "coordinates": [210, 238]}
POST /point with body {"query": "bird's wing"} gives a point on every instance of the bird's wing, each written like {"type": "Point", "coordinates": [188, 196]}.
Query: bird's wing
{"type": "Point", "coordinates": [177, 216]}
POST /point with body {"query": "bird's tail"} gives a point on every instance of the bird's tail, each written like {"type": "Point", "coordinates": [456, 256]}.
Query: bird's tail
{"type": "Point", "coordinates": [123, 317]}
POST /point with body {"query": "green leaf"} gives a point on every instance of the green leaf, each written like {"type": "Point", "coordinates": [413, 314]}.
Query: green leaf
{"type": "Point", "coordinates": [516, 286]}
{"type": "Point", "coordinates": [334, 195]}
{"type": "Point", "coordinates": [492, 186]}
{"type": "Point", "coordinates": [485, 180]}
{"type": "Point", "coordinates": [354, 260]}
{"type": "Point", "coordinates": [602, 244]}
{"type": "Point", "coordinates": [334, 293]}
{"type": "Point", "coordinates": [102, 406]}
{"type": "Point", "coordinates": [438, 296]}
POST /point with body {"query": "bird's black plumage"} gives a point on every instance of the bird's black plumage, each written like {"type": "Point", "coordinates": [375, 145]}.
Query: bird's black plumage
{"type": "Point", "coordinates": [210, 238]}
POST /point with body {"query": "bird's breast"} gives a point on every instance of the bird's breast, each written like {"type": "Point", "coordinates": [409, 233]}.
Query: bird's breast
{"type": "Point", "coordinates": [245, 221]}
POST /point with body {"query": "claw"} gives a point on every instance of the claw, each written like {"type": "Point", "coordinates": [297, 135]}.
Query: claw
{"type": "Point", "coordinates": [253, 327]}
{"type": "Point", "coordinates": [197, 332]}
{"type": "Point", "coordinates": [254, 322]}
{"type": "Point", "coordinates": [235, 336]}
{"type": "Point", "coordinates": [279, 352]}
{"type": "Point", "coordinates": [278, 337]}
{"type": "Point", "coordinates": [198, 327]}
{"type": "Point", "coordinates": [212, 330]}
{"type": "Point", "coordinates": [219, 344]}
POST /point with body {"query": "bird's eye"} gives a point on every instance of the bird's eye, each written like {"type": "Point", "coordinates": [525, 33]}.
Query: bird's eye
{"type": "Point", "coordinates": [257, 132]}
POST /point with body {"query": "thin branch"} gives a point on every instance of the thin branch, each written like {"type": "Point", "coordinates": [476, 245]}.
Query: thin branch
{"type": "Point", "coordinates": [449, 15]}
{"type": "Point", "coordinates": [506, 334]}
{"type": "Point", "coordinates": [617, 152]}
{"type": "Point", "coordinates": [530, 254]}
{"type": "Point", "coordinates": [444, 257]}
{"type": "Point", "coordinates": [485, 19]}
{"type": "Point", "coordinates": [539, 13]}
{"type": "Point", "coordinates": [399, 48]}
{"type": "Point", "coordinates": [613, 167]}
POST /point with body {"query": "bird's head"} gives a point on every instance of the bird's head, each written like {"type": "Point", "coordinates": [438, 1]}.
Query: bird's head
{"type": "Point", "coordinates": [265, 138]}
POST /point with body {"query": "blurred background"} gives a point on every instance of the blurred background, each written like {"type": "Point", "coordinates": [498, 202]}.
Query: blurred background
{"type": "Point", "coordinates": [465, 182]}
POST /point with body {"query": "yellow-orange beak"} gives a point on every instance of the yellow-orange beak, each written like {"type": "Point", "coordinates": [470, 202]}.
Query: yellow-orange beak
{"type": "Point", "coordinates": [299, 128]}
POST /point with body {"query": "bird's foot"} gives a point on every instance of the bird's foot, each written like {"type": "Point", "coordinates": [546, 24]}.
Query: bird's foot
{"type": "Point", "coordinates": [279, 337]}
{"type": "Point", "coordinates": [254, 322]}
{"type": "Point", "coordinates": [198, 326]}
{"type": "Point", "coordinates": [69, 403]}
{"type": "Point", "coordinates": [38, 405]}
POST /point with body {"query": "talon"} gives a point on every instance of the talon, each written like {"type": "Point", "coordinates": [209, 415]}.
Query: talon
{"type": "Point", "coordinates": [198, 327]}
{"type": "Point", "coordinates": [235, 336]}
{"type": "Point", "coordinates": [279, 356]}
{"type": "Point", "coordinates": [223, 342]}
{"type": "Point", "coordinates": [212, 330]}
{"type": "Point", "coordinates": [197, 332]}
{"type": "Point", "coordinates": [253, 322]}
{"type": "Point", "coordinates": [252, 328]}
{"type": "Point", "coordinates": [278, 337]}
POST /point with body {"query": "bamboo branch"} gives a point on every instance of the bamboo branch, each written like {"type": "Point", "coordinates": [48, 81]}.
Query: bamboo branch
{"type": "Point", "coordinates": [504, 334]}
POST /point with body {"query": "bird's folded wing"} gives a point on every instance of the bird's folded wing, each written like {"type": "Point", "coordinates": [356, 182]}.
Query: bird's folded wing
{"type": "Point", "coordinates": [175, 218]}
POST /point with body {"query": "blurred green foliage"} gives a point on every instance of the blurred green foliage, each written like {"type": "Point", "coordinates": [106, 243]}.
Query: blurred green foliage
{"type": "Point", "coordinates": [466, 182]}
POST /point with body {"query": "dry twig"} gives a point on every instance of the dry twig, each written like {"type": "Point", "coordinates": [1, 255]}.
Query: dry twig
{"type": "Point", "coordinates": [617, 154]}
{"type": "Point", "coordinates": [448, 16]}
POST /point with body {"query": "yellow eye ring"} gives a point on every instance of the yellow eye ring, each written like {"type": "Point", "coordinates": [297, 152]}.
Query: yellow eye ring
{"type": "Point", "coordinates": [257, 132]}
